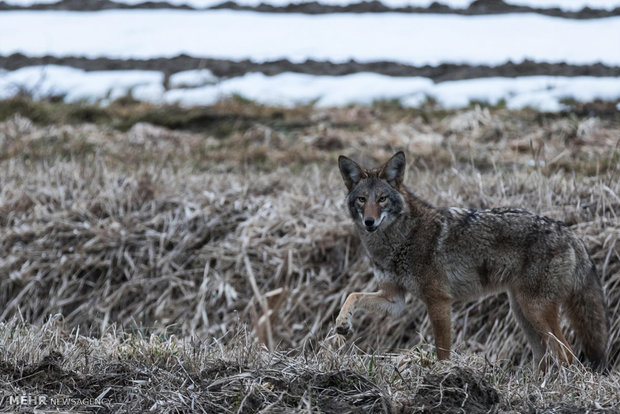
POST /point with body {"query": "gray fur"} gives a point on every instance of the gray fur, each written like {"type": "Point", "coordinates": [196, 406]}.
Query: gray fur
{"type": "Point", "coordinates": [460, 254]}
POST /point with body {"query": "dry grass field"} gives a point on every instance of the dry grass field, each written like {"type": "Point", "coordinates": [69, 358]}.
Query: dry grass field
{"type": "Point", "coordinates": [194, 260]}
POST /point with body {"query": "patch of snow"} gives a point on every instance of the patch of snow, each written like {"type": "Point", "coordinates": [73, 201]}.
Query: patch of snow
{"type": "Point", "coordinates": [78, 85]}
{"type": "Point", "coordinates": [207, 95]}
{"type": "Point", "coordinates": [406, 38]}
{"type": "Point", "coordinates": [289, 89]}
{"type": "Point", "coordinates": [458, 4]}
{"type": "Point", "coordinates": [293, 88]}
{"type": "Point", "coordinates": [151, 91]}
{"type": "Point", "coordinates": [540, 92]}
{"type": "Point", "coordinates": [393, 3]}
{"type": "Point", "coordinates": [26, 3]}
{"type": "Point", "coordinates": [192, 79]}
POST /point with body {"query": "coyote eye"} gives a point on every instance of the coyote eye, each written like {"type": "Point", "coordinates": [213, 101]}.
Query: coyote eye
{"type": "Point", "coordinates": [382, 199]}
{"type": "Point", "coordinates": [361, 199]}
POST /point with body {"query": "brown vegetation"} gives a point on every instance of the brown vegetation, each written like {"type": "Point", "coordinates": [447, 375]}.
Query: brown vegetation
{"type": "Point", "coordinates": [170, 258]}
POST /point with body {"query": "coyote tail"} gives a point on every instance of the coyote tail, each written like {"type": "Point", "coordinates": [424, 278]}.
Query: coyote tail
{"type": "Point", "coordinates": [588, 315]}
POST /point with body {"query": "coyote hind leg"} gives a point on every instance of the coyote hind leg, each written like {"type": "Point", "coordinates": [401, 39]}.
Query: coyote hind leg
{"type": "Point", "coordinates": [541, 324]}
{"type": "Point", "coordinates": [534, 338]}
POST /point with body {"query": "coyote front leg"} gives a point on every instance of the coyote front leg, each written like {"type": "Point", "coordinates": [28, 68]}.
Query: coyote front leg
{"type": "Point", "coordinates": [389, 299]}
{"type": "Point", "coordinates": [438, 307]}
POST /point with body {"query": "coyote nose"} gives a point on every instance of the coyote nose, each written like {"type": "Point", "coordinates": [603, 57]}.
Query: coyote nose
{"type": "Point", "coordinates": [369, 221]}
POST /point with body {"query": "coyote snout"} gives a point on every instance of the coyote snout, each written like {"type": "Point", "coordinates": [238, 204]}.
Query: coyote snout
{"type": "Point", "coordinates": [372, 216]}
{"type": "Point", "coordinates": [446, 254]}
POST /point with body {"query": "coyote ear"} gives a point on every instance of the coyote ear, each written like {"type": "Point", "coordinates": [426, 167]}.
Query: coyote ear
{"type": "Point", "coordinates": [394, 170]}
{"type": "Point", "coordinates": [351, 172]}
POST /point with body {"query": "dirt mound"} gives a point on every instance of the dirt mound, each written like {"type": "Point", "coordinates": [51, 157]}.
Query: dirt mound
{"type": "Point", "coordinates": [460, 390]}
{"type": "Point", "coordinates": [108, 381]}
{"type": "Point", "coordinates": [331, 391]}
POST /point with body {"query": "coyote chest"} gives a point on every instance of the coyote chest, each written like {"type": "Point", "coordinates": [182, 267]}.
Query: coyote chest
{"type": "Point", "coordinates": [393, 259]}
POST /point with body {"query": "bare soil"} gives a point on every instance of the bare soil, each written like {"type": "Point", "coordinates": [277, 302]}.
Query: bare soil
{"type": "Point", "coordinates": [478, 7]}
{"type": "Point", "coordinates": [230, 68]}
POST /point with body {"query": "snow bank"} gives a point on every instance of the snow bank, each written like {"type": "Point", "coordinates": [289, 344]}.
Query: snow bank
{"type": "Point", "coordinates": [192, 78]}
{"type": "Point", "coordinates": [289, 89]}
{"type": "Point", "coordinates": [562, 4]}
{"type": "Point", "coordinates": [77, 85]}
{"type": "Point", "coordinates": [405, 38]}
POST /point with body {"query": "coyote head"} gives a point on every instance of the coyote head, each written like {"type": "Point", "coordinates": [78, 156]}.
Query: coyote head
{"type": "Point", "coordinates": [374, 198]}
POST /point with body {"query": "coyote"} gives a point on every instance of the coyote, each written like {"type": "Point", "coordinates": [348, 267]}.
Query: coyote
{"type": "Point", "coordinates": [443, 254]}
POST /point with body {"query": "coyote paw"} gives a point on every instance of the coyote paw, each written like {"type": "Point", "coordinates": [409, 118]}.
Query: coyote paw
{"type": "Point", "coordinates": [343, 327]}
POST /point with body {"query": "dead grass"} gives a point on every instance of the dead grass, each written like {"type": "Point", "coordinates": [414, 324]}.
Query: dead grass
{"type": "Point", "coordinates": [175, 256]}
{"type": "Point", "coordinates": [134, 372]}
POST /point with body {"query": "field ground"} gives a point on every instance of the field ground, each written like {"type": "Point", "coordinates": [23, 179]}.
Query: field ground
{"type": "Point", "coordinates": [181, 260]}
{"type": "Point", "coordinates": [592, 11]}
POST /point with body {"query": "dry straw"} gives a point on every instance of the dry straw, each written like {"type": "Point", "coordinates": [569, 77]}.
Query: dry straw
{"type": "Point", "coordinates": [159, 232]}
